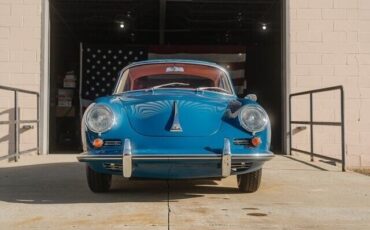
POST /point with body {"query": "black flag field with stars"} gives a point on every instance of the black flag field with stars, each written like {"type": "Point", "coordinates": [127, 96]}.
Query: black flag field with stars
{"type": "Point", "coordinates": [101, 66]}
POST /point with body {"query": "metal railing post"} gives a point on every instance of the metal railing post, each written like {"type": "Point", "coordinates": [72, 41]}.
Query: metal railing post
{"type": "Point", "coordinates": [311, 126]}
{"type": "Point", "coordinates": [342, 129]}
{"type": "Point", "coordinates": [290, 126]}
{"type": "Point", "coordinates": [16, 126]}
{"type": "Point", "coordinates": [38, 124]}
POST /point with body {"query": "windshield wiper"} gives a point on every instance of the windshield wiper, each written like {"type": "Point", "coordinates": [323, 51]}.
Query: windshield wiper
{"type": "Point", "coordinates": [170, 84]}
{"type": "Point", "coordinates": [213, 89]}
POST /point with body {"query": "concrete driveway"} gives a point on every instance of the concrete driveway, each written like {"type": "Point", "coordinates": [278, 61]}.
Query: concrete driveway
{"type": "Point", "coordinates": [50, 192]}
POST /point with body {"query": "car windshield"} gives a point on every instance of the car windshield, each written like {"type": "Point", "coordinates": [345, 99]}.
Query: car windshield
{"type": "Point", "coordinates": [178, 75]}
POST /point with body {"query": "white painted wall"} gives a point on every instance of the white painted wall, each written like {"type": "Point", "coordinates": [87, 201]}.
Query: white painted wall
{"type": "Point", "coordinates": [20, 65]}
{"type": "Point", "coordinates": [330, 45]}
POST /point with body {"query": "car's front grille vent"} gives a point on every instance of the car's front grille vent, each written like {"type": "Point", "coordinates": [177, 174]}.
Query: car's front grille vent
{"type": "Point", "coordinates": [241, 166]}
{"type": "Point", "coordinates": [113, 166]}
{"type": "Point", "coordinates": [236, 167]}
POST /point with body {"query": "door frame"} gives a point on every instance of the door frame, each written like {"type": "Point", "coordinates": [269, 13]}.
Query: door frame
{"type": "Point", "coordinates": [285, 75]}
{"type": "Point", "coordinates": [45, 76]}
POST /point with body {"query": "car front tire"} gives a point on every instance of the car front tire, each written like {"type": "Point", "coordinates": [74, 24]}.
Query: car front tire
{"type": "Point", "coordinates": [98, 182]}
{"type": "Point", "coordinates": [249, 182]}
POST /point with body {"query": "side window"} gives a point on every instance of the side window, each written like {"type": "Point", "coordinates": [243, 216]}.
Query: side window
{"type": "Point", "coordinates": [225, 83]}
{"type": "Point", "coordinates": [122, 86]}
{"type": "Point", "coordinates": [222, 83]}
{"type": "Point", "coordinates": [127, 85]}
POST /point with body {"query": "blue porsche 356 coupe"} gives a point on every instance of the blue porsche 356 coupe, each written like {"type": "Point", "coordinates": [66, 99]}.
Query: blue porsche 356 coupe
{"type": "Point", "coordinates": [175, 119]}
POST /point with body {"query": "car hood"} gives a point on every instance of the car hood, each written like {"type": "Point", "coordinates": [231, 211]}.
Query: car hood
{"type": "Point", "coordinates": [154, 113]}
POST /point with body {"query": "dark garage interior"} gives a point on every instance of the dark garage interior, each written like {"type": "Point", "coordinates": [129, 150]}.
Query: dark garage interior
{"type": "Point", "coordinates": [249, 31]}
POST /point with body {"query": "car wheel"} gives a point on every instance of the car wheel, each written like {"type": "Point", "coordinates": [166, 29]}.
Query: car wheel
{"type": "Point", "coordinates": [98, 182]}
{"type": "Point", "coordinates": [249, 182]}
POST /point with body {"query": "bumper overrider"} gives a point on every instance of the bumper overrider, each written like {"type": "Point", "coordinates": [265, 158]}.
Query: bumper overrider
{"type": "Point", "coordinates": [230, 163]}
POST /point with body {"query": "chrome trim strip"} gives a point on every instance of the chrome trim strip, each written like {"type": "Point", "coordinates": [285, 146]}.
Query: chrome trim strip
{"type": "Point", "coordinates": [226, 159]}
{"type": "Point", "coordinates": [127, 159]}
{"type": "Point", "coordinates": [86, 158]}
{"type": "Point", "coordinates": [176, 126]}
{"type": "Point", "coordinates": [254, 156]}
{"type": "Point", "coordinates": [177, 158]}
{"type": "Point", "coordinates": [212, 155]}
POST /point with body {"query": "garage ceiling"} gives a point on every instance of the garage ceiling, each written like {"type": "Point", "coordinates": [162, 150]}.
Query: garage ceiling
{"type": "Point", "coordinates": [166, 21]}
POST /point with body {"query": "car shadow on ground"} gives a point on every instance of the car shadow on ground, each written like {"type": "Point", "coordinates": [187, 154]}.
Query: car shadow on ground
{"type": "Point", "coordinates": [61, 183]}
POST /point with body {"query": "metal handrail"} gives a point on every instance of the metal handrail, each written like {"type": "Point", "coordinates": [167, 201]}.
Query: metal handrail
{"type": "Point", "coordinates": [311, 123]}
{"type": "Point", "coordinates": [17, 123]}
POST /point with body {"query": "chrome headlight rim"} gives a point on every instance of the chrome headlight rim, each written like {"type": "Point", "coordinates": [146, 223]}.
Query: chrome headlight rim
{"type": "Point", "coordinates": [256, 108]}
{"type": "Point", "coordinates": [99, 106]}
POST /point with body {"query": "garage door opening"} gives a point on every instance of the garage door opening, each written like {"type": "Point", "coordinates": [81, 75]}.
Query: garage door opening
{"type": "Point", "coordinates": [244, 36]}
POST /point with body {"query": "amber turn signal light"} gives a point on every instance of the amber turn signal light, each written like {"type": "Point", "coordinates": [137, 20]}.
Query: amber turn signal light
{"type": "Point", "coordinates": [98, 143]}
{"type": "Point", "coordinates": [256, 141]}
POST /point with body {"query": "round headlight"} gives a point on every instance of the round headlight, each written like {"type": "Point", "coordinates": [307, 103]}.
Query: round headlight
{"type": "Point", "coordinates": [99, 119]}
{"type": "Point", "coordinates": [253, 118]}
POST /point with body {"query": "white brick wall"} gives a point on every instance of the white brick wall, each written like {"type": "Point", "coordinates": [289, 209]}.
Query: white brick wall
{"type": "Point", "coordinates": [20, 48]}
{"type": "Point", "coordinates": [330, 45]}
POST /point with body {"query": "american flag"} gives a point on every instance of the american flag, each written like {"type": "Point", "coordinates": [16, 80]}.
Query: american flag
{"type": "Point", "coordinates": [101, 66]}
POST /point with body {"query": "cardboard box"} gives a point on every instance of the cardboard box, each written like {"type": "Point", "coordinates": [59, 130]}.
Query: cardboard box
{"type": "Point", "coordinates": [65, 97]}
{"type": "Point", "coordinates": [69, 80]}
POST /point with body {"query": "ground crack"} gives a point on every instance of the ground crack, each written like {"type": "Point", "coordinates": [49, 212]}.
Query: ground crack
{"type": "Point", "coordinates": [168, 205]}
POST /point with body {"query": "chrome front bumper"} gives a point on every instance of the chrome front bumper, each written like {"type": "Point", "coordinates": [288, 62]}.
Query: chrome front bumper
{"type": "Point", "coordinates": [127, 158]}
